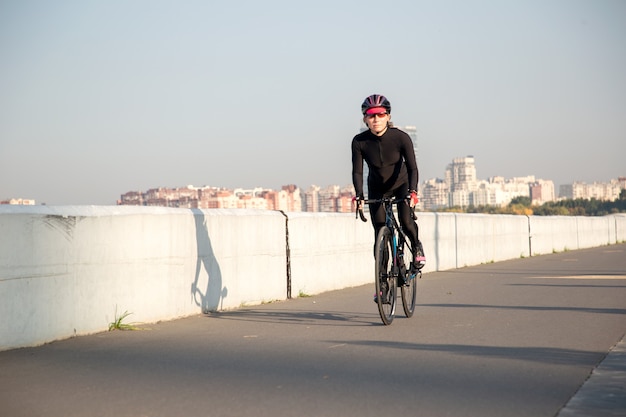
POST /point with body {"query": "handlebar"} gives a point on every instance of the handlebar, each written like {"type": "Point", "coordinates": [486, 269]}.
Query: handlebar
{"type": "Point", "coordinates": [384, 200]}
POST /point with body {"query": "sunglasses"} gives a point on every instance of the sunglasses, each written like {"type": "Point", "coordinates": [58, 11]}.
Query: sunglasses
{"type": "Point", "coordinates": [379, 115]}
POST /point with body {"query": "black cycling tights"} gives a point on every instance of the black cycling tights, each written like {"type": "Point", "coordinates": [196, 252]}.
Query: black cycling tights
{"type": "Point", "coordinates": [377, 214]}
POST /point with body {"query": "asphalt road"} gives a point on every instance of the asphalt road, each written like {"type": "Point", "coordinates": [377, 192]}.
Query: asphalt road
{"type": "Point", "coordinates": [515, 338]}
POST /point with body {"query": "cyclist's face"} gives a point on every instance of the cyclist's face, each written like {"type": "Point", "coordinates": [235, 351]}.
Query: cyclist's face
{"type": "Point", "coordinates": [377, 123]}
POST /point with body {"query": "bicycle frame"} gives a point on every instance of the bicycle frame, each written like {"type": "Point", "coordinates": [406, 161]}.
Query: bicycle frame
{"type": "Point", "coordinates": [398, 234]}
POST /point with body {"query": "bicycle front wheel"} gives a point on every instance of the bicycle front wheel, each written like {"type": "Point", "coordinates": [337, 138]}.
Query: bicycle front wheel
{"type": "Point", "coordinates": [409, 292]}
{"type": "Point", "coordinates": [385, 279]}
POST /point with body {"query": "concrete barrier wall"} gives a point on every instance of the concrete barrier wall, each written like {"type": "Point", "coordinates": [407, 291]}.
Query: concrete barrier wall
{"type": "Point", "coordinates": [68, 271]}
{"type": "Point", "coordinates": [594, 231]}
{"type": "Point", "coordinates": [558, 233]}
{"type": "Point", "coordinates": [454, 240]}
{"type": "Point", "coordinates": [329, 251]}
{"type": "Point", "coordinates": [438, 232]}
{"type": "Point", "coordinates": [620, 228]}
{"type": "Point", "coordinates": [553, 234]}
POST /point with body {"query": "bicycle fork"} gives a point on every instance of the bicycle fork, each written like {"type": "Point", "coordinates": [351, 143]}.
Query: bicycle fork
{"type": "Point", "coordinates": [398, 269]}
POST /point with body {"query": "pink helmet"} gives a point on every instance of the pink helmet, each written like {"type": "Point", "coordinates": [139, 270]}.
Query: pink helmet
{"type": "Point", "coordinates": [375, 100]}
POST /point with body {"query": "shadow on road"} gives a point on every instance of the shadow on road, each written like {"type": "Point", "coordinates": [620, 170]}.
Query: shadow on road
{"type": "Point", "coordinates": [532, 308]}
{"type": "Point", "coordinates": [309, 318]}
{"type": "Point", "coordinates": [529, 272]}
{"type": "Point", "coordinates": [534, 354]}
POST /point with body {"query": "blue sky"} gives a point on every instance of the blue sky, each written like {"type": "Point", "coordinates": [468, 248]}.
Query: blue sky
{"type": "Point", "coordinates": [102, 97]}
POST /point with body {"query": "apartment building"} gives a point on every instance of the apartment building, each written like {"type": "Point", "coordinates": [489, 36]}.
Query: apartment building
{"type": "Point", "coordinates": [288, 198]}
{"type": "Point", "coordinates": [461, 188]}
{"type": "Point", "coordinates": [542, 191]}
{"type": "Point", "coordinates": [461, 174]}
{"type": "Point", "coordinates": [334, 199]}
{"type": "Point", "coordinates": [461, 179]}
{"type": "Point", "coordinates": [18, 202]}
{"type": "Point", "coordinates": [434, 194]}
{"type": "Point", "coordinates": [608, 191]}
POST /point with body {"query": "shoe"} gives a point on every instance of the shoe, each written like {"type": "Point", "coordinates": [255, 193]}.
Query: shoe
{"type": "Point", "coordinates": [383, 294]}
{"type": "Point", "coordinates": [402, 280]}
{"type": "Point", "coordinates": [420, 259]}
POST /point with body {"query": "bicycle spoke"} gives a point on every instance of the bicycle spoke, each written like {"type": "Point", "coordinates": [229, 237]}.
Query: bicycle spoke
{"type": "Point", "coordinates": [384, 279]}
{"type": "Point", "coordinates": [409, 289]}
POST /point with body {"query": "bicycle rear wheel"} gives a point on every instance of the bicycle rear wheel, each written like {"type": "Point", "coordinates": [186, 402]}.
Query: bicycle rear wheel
{"type": "Point", "coordinates": [385, 279]}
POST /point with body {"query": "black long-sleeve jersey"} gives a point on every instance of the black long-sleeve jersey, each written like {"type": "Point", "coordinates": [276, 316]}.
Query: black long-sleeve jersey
{"type": "Point", "coordinates": [390, 158]}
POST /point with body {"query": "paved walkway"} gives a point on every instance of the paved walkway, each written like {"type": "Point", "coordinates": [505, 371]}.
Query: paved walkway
{"type": "Point", "coordinates": [534, 337]}
{"type": "Point", "coordinates": [604, 393]}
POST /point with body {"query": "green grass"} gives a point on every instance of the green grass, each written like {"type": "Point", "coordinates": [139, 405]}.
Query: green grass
{"type": "Point", "coordinates": [118, 323]}
{"type": "Point", "coordinates": [565, 249]}
{"type": "Point", "coordinates": [302, 294]}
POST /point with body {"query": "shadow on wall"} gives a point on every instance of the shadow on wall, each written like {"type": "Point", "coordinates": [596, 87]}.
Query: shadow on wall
{"type": "Point", "coordinates": [213, 296]}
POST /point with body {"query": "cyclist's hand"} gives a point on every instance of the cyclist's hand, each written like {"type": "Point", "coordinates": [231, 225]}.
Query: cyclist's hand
{"type": "Point", "coordinates": [359, 200]}
{"type": "Point", "coordinates": [413, 199]}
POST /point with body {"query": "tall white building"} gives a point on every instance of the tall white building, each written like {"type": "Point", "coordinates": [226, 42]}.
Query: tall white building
{"type": "Point", "coordinates": [312, 199]}
{"type": "Point", "coordinates": [412, 132]}
{"type": "Point", "coordinates": [461, 180]}
{"type": "Point", "coordinates": [461, 174]}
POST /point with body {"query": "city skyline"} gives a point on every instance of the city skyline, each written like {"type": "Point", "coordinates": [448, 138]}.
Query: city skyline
{"type": "Point", "coordinates": [99, 97]}
{"type": "Point", "coordinates": [422, 182]}
{"type": "Point", "coordinates": [460, 189]}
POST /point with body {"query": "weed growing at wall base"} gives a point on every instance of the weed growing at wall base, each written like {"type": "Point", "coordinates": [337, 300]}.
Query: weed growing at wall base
{"type": "Point", "coordinates": [118, 323]}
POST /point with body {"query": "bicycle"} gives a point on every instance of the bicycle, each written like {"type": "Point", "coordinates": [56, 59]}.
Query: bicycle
{"type": "Point", "coordinates": [392, 269]}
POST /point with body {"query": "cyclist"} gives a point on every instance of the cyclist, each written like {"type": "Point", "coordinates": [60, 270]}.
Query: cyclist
{"type": "Point", "coordinates": [393, 171]}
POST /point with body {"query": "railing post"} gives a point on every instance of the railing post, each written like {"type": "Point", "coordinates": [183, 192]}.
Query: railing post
{"type": "Point", "coordinates": [530, 237]}
{"type": "Point", "coordinates": [288, 255]}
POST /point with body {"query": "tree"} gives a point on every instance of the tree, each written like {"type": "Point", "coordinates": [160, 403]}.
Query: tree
{"type": "Point", "coordinates": [521, 200]}
{"type": "Point", "coordinates": [578, 207]}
